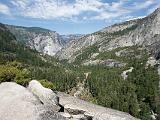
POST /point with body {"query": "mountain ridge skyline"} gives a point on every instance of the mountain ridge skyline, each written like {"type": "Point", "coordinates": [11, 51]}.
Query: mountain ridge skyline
{"type": "Point", "coordinates": [74, 16]}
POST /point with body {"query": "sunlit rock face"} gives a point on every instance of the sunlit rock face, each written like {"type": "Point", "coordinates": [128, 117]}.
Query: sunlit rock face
{"type": "Point", "coordinates": [18, 103]}
{"type": "Point", "coordinates": [87, 111]}
{"type": "Point", "coordinates": [39, 103]}
{"type": "Point", "coordinates": [46, 44]}
{"type": "Point", "coordinates": [42, 40]}
{"type": "Point", "coordinates": [142, 32]}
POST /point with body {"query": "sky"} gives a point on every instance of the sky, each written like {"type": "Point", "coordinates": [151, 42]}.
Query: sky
{"type": "Point", "coordinates": [73, 16]}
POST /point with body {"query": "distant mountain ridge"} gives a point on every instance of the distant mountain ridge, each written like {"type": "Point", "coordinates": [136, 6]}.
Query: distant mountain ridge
{"type": "Point", "coordinates": [142, 32]}
{"type": "Point", "coordinates": [43, 40]}
{"type": "Point", "coordinates": [70, 37]}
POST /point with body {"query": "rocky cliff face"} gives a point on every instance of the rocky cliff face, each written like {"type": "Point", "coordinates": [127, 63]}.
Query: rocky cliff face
{"type": "Point", "coordinates": [141, 32]}
{"type": "Point", "coordinates": [39, 103]}
{"type": "Point", "coordinates": [42, 40]}
{"type": "Point", "coordinates": [18, 103]}
{"type": "Point", "coordinates": [71, 37]}
{"type": "Point", "coordinates": [74, 46]}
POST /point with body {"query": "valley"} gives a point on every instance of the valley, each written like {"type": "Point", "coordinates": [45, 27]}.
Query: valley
{"type": "Point", "coordinates": [116, 67]}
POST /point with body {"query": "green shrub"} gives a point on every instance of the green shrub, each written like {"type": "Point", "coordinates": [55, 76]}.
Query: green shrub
{"type": "Point", "coordinates": [13, 72]}
{"type": "Point", "coordinates": [23, 82]}
{"type": "Point", "coordinates": [47, 84]}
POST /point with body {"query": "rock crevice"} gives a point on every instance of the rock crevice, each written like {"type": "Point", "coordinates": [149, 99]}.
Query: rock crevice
{"type": "Point", "coordinates": [39, 103]}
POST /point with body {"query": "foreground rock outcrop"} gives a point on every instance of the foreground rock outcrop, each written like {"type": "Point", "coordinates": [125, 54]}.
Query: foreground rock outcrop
{"type": "Point", "coordinates": [45, 95]}
{"type": "Point", "coordinates": [89, 111]}
{"type": "Point", "coordinates": [18, 103]}
{"type": "Point", "coordinates": [39, 103]}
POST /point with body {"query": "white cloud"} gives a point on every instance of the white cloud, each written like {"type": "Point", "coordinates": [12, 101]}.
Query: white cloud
{"type": "Point", "coordinates": [144, 4]}
{"type": "Point", "coordinates": [4, 9]}
{"type": "Point", "coordinates": [153, 8]}
{"type": "Point", "coordinates": [96, 9]}
{"type": "Point", "coordinates": [115, 9]}
{"type": "Point", "coordinates": [20, 3]}
{"type": "Point", "coordinates": [134, 18]}
{"type": "Point", "coordinates": [121, 9]}
{"type": "Point", "coordinates": [106, 15]}
{"type": "Point", "coordinates": [49, 9]}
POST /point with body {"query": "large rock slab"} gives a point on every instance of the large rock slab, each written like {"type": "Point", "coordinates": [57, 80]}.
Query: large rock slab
{"type": "Point", "coordinates": [92, 62]}
{"type": "Point", "coordinates": [151, 62]}
{"type": "Point", "coordinates": [109, 63]}
{"type": "Point", "coordinates": [45, 95]}
{"type": "Point", "coordinates": [38, 103]}
{"type": "Point", "coordinates": [18, 103]}
{"type": "Point", "coordinates": [76, 106]}
{"type": "Point", "coordinates": [113, 63]}
{"type": "Point", "coordinates": [125, 73]}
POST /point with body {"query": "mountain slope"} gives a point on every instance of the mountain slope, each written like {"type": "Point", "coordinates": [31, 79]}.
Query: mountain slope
{"type": "Point", "coordinates": [122, 61]}
{"type": "Point", "coordinates": [70, 37]}
{"type": "Point", "coordinates": [42, 40]}
{"type": "Point", "coordinates": [36, 66]}
{"type": "Point", "coordinates": [142, 32]}
{"type": "Point", "coordinates": [17, 59]}
{"type": "Point", "coordinates": [11, 49]}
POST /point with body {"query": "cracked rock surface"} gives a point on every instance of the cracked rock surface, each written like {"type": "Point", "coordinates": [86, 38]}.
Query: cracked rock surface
{"type": "Point", "coordinates": [18, 103]}
{"type": "Point", "coordinates": [89, 111]}
{"type": "Point", "coordinates": [39, 103]}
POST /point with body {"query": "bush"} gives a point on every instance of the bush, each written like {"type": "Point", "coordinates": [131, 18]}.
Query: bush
{"type": "Point", "coordinates": [13, 72]}
{"type": "Point", "coordinates": [23, 82]}
{"type": "Point", "coordinates": [47, 84]}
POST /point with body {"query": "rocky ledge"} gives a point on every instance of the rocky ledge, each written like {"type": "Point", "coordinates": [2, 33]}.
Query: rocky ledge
{"type": "Point", "coordinates": [109, 63]}
{"type": "Point", "coordinates": [38, 103]}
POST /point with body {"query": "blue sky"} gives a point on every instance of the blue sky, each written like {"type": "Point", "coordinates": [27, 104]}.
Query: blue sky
{"type": "Point", "coordinates": [73, 16]}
